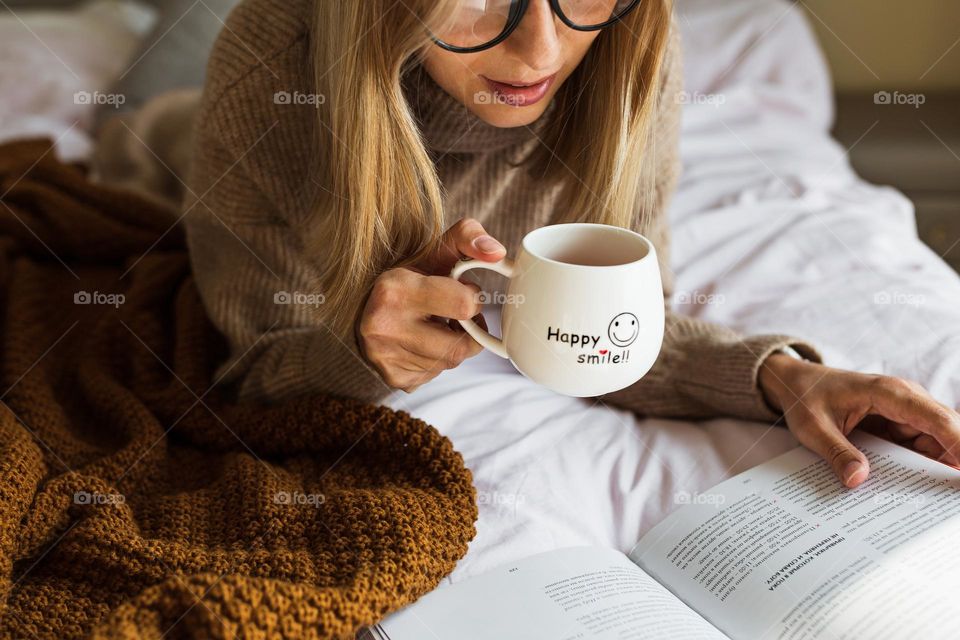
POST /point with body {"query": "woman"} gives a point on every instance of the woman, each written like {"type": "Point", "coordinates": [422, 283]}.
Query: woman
{"type": "Point", "coordinates": [348, 153]}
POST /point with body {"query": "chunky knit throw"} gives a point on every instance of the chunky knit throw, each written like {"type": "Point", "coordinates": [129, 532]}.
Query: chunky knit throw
{"type": "Point", "coordinates": [135, 500]}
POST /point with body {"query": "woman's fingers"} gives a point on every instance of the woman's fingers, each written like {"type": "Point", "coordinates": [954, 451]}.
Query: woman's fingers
{"type": "Point", "coordinates": [446, 297]}
{"type": "Point", "coordinates": [465, 238]}
{"type": "Point", "coordinates": [825, 439]}
{"type": "Point", "coordinates": [909, 404]}
{"type": "Point", "coordinates": [902, 433]}
{"type": "Point", "coordinates": [894, 408]}
{"type": "Point", "coordinates": [426, 350]}
{"type": "Point", "coordinates": [399, 332]}
{"type": "Point", "coordinates": [930, 447]}
{"type": "Point", "coordinates": [434, 347]}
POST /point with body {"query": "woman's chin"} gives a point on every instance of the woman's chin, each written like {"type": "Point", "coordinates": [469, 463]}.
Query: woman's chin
{"type": "Point", "coordinates": [508, 116]}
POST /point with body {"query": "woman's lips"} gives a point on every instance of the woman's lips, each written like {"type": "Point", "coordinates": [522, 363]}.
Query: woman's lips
{"type": "Point", "coordinates": [520, 94]}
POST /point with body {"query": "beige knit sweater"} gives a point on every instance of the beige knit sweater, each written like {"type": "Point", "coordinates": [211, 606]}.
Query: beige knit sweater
{"type": "Point", "coordinates": [252, 195]}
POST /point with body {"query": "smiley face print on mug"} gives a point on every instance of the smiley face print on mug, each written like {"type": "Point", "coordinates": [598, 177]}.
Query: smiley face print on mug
{"type": "Point", "coordinates": [623, 329]}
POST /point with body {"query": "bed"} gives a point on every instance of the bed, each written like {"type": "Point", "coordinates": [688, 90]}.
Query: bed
{"type": "Point", "coordinates": [772, 232]}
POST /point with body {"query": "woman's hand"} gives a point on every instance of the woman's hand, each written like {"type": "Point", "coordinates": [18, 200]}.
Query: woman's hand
{"type": "Point", "coordinates": [823, 405]}
{"type": "Point", "coordinates": [403, 329]}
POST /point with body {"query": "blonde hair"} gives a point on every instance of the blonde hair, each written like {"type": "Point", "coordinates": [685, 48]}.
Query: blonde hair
{"type": "Point", "coordinates": [381, 203]}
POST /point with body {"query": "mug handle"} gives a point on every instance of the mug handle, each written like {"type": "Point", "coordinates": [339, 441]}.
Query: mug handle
{"type": "Point", "coordinates": [504, 267]}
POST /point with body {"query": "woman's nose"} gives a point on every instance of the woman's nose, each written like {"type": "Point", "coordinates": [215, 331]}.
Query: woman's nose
{"type": "Point", "coordinates": [536, 40]}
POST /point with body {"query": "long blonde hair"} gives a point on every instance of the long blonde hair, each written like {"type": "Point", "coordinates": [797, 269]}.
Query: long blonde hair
{"type": "Point", "coordinates": [381, 203]}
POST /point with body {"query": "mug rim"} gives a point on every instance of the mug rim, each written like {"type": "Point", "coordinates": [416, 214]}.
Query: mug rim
{"type": "Point", "coordinates": [650, 249]}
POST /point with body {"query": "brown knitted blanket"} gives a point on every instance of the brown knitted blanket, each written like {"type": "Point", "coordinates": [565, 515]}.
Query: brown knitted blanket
{"type": "Point", "coordinates": [135, 500]}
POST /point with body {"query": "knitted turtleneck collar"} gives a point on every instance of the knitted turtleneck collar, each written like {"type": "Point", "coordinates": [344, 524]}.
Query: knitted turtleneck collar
{"type": "Point", "coordinates": [449, 127]}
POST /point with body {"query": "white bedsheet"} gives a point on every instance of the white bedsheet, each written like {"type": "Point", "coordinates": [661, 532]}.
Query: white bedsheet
{"type": "Point", "coordinates": [772, 232]}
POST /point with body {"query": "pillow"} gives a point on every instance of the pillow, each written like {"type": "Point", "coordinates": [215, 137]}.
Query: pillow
{"type": "Point", "coordinates": [175, 55]}
{"type": "Point", "coordinates": [753, 46]}
{"type": "Point", "coordinates": [81, 52]}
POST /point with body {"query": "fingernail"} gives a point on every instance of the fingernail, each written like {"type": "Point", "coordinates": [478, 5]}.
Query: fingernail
{"type": "Point", "coordinates": [487, 244]}
{"type": "Point", "coordinates": [851, 471]}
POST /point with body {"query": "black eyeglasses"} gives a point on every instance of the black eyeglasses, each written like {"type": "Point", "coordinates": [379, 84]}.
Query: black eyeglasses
{"type": "Point", "coordinates": [480, 24]}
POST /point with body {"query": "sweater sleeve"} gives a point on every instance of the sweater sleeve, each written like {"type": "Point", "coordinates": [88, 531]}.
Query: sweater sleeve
{"type": "Point", "coordinates": [704, 370]}
{"type": "Point", "coordinates": [253, 273]}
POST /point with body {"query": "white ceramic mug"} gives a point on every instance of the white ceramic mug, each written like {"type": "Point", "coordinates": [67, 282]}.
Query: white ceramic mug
{"type": "Point", "coordinates": [584, 313]}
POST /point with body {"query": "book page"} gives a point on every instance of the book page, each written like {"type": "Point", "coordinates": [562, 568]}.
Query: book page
{"type": "Point", "coordinates": [580, 593]}
{"type": "Point", "coordinates": [785, 551]}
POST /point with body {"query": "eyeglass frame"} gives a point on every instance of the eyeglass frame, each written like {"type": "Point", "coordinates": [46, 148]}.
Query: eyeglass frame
{"type": "Point", "coordinates": [518, 9]}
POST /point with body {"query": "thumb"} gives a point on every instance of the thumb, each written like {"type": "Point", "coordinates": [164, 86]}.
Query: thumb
{"type": "Point", "coordinates": [468, 238]}
{"type": "Point", "coordinates": [829, 443]}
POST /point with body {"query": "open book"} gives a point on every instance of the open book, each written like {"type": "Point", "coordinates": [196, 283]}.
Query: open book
{"type": "Point", "coordinates": [781, 551]}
